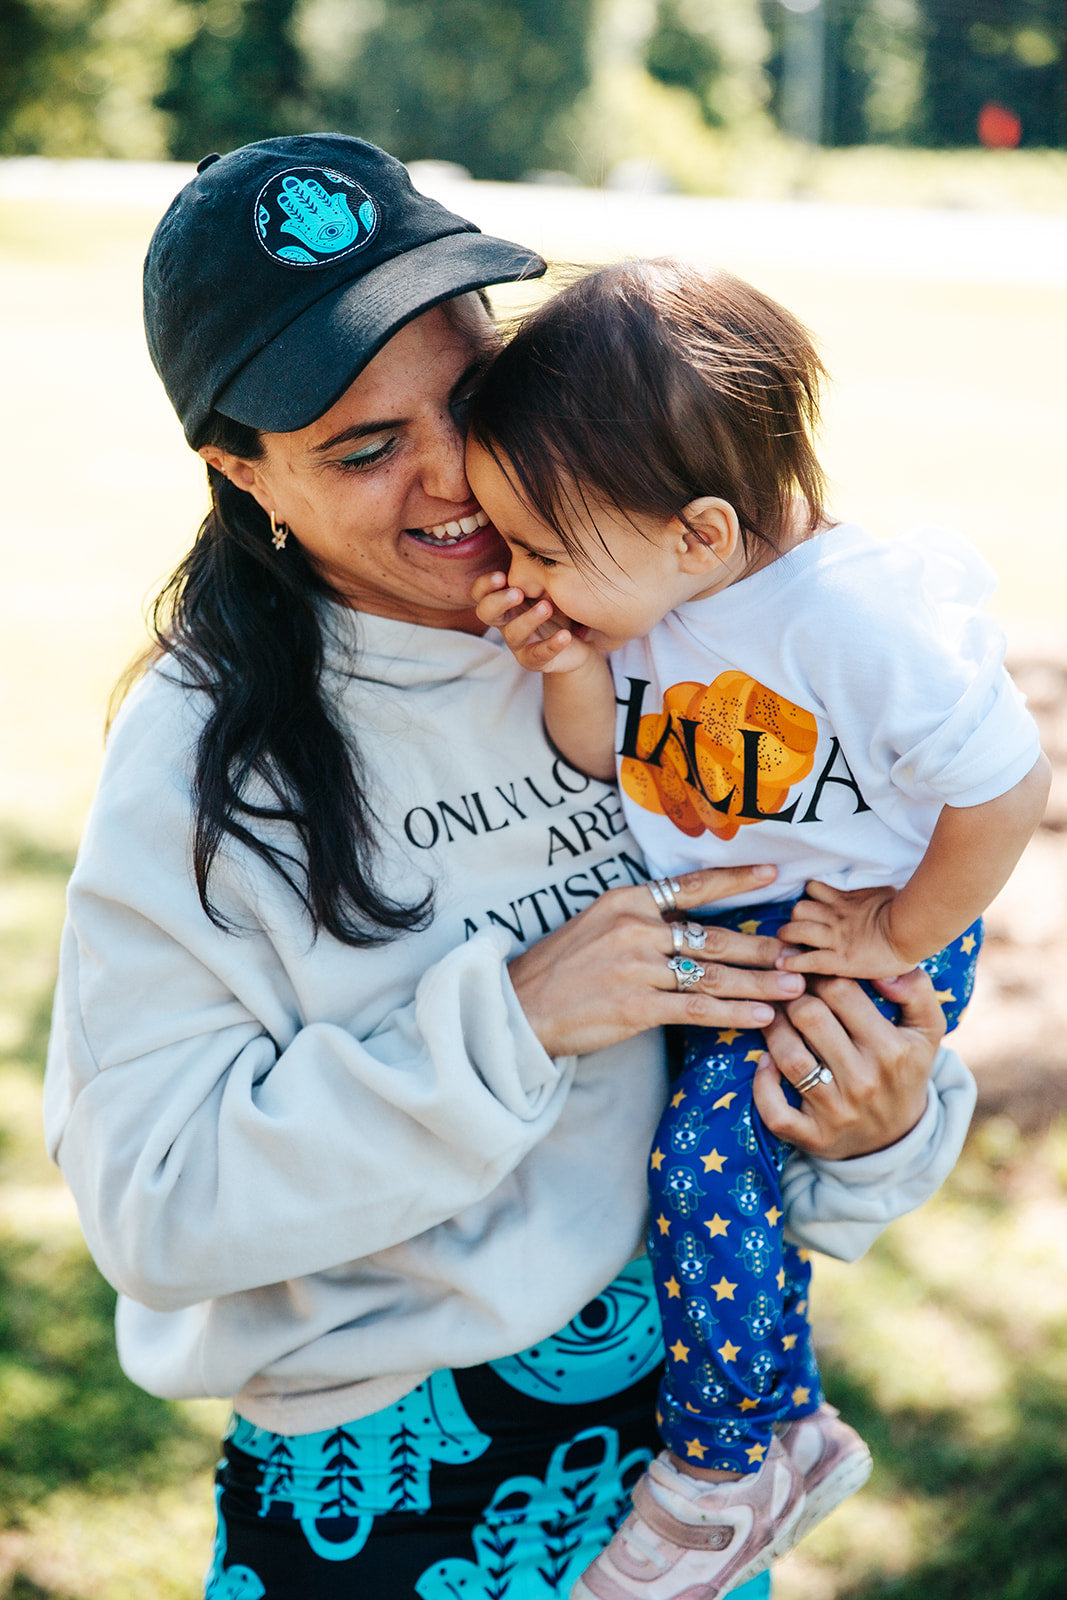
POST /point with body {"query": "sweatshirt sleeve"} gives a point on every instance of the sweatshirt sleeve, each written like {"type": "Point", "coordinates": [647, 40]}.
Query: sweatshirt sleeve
{"type": "Point", "coordinates": [840, 1207]}
{"type": "Point", "coordinates": [214, 1138]}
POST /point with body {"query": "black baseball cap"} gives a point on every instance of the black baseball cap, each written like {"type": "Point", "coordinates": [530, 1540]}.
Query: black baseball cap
{"type": "Point", "coordinates": [282, 268]}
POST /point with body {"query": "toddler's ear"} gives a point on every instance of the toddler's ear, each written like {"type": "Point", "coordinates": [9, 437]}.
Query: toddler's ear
{"type": "Point", "coordinates": [712, 533]}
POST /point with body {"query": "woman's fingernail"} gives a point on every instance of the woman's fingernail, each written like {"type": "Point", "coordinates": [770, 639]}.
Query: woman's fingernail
{"type": "Point", "coordinates": [762, 1014]}
{"type": "Point", "coordinates": [792, 983]}
{"type": "Point", "coordinates": [765, 873]}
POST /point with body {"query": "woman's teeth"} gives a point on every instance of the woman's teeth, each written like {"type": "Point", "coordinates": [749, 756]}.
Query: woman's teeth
{"type": "Point", "coordinates": [453, 532]}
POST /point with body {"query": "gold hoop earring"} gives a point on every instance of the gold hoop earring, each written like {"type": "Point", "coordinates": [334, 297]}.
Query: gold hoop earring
{"type": "Point", "coordinates": [279, 532]}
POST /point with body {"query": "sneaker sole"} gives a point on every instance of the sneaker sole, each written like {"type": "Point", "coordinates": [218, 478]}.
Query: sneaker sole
{"type": "Point", "coordinates": [786, 1538]}
{"type": "Point", "coordinates": [849, 1475]}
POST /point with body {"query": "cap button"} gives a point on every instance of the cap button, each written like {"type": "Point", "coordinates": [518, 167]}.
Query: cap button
{"type": "Point", "coordinates": [201, 166]}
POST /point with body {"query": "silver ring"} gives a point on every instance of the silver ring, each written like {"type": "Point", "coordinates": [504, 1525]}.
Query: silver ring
{"type": "Point", "coordinates": [663, 891]}
{"type": "Point", "coordinates": [677, 937]}
{"type": "Point", "coordinates": [687, 972]}
{"type": "Point", "coordinates": [696, 937]}
{"type": "Point", "coordinates": [820, 1073]}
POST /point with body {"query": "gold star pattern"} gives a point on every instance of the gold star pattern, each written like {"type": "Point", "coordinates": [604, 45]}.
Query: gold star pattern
{"type": "Point", "coordinates": [757, 1453]}
{"type": "Point", "coordinates": [802, 1307]}
{"type": "Point", "coordinates": [728, 1352]}
{"type": "Point", "coordinates": [805, 1255]}
{"type": "Point", "coordinates": [694, 1409]}
{"type": "Point", "coordinates": [723, 1290]}
{"type": "Point", "coordinates": [693, 1447]}
{"type": "Point", "coordinates": [727, 1036]}
{"type": "Point", "coordinates": [725, 1101]}
{"type": "Point", "coordinates": [678, 1098]}
{"type": "Point", "coordinates": [945, 996]}
{"type": "Point", "coordinates": [751, 926]}
{"type": "Point", "coordinates": [967, 943]}
{"type": "Point", "coordinates": [679, 1351]}
{"type": "Point", "coordinates": [673, 1288]}
{"type": "Point", "coordinates": [713, 1163]}
{"type": "Point", "coordinates": [663, 1223]}
{"type": "Point", "coordinates": [754, 1055]}
{"type": "Point", "coordinates": [748, 1404]}
{"type": "Point", "coordinates": [780, 1280]}
{"type": "Point", "coordinates": [789, 1342]}
{"type": "Point", "coordinates": [717, 1226]}
{"type": "Point", "coordinates": [801, 1396]}
{"type": "Point", "coordinates": [656, 1160]}
{"type": "Point", "coordinates": [772, 1216]}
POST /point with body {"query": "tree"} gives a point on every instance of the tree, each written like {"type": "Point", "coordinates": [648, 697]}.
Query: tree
{"type": "Point", "coordinates": [237, 78]}
{"type": "Point", "coordinates": [1012, 53]}
{"type": "Point", "coordinates": [478, 82]}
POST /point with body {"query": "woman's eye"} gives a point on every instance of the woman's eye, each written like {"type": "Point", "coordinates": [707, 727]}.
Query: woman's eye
{"type": "Point", "coordinates": [543, 561]}
{"type": "Point", "coordinates": [368, 455]}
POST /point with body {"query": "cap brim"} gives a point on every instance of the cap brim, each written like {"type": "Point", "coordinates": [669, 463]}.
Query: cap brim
{"type": "Point", "coordinates": [310, 364]}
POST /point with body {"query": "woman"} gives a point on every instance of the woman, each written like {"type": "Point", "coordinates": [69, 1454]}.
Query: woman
{"type": "Point", "coordinates": [352, 1072]}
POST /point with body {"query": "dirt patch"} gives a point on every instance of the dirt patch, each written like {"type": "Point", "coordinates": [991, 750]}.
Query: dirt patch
{"type": "Point", "coordinates": [1014, 1035]}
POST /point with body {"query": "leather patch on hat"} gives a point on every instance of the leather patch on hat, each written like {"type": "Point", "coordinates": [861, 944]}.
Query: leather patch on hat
{"type": "Point", "coordinates": [312, 217]}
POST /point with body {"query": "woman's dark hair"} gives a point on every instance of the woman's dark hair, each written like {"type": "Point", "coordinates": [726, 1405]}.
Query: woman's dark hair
{"type": "Point", "coordinates": [241, 620]}
{"type": "Point", "coordinates": [648, 385]}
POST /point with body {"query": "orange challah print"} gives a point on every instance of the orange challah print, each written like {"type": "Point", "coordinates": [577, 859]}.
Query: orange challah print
{"type": "Point", "coordinates": [697, 748]}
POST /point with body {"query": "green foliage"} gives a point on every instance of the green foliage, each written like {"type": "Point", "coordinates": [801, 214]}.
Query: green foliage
{"type": "Point", "coordinates": [237, 78]}
{"type": "Point", "coordinates": [716, 53]}
{"type": "Point", "coordinates": [80, 77]}
{"type": "Point", "coordinates": [479, 82]}
{"type": "Point", "coordinates": [1012, 52]}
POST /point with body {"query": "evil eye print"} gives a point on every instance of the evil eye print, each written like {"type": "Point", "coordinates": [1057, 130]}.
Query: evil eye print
{"type": "Point", "coordinates": [746, 1135]}
{"type": "Point", "coordinates": [612, 1342]}
{"type": "Point", "coordinates": [761, 1316]}
{"type": "Point", "coordinates": [709, 1388]}
{"type": "Point", "coordinates": [711, 1075]}
{"type": "Point", "coordinates": [687, 1131]}
{"type": "Point", "coordinates": [682, 1190]}
{"type": "Point", "coordinates": [754, 1253]}
{"type": "Point", "coordinates": [700, 1317]}
{"type": "Point", "coordinates": [690, 1261]}
{"type": "Point", "coordinates": [761, 1372]}
{"type": "Point", "coordinates": [748, 1192]}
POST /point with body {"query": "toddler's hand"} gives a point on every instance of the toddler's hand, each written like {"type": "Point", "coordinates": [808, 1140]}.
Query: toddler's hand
{"type": "Point", "coordinates": [846, 932]}
{"type": "Point", "coordinates": [539, 637]}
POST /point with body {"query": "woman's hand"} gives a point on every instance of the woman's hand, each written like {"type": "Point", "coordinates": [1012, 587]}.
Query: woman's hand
{"type": "Point", "coordinates": [604, 977]}
{"type": "Point", "coordinates": [880, 1069]}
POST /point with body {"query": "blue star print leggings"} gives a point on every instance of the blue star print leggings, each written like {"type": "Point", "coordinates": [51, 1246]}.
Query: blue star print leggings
{"type": "Point", "coordinates": [733, 1291]}
{"type": "Point", "coordinates": [499, 1482]}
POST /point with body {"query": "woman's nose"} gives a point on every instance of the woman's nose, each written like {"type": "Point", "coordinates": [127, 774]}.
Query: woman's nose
{"type": "Point", "coordinates": [444, 476]}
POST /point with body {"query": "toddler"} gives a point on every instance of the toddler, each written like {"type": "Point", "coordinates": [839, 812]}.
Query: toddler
{"type": "Point", "coordinates": [775, 686]}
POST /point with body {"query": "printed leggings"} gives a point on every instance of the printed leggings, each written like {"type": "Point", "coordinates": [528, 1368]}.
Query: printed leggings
{"type": "Point", "coordinates": [733, 1291]}
{"type": "Point", "coordinates": [499, 1482]}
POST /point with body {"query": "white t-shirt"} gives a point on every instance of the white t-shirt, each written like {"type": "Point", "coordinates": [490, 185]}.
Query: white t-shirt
{"type": "Point", "coordinates": [819, 713]}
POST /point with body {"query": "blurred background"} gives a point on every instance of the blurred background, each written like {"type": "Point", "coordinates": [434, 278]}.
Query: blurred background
{"type": "Point", "coordinates": [896, 172]}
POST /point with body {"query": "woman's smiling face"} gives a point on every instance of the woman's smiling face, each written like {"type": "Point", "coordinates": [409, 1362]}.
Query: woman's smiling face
{"type": "Point", "coordinates": [375, 489]}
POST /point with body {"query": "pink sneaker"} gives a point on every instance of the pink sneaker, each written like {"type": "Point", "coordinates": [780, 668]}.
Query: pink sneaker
{"type": "Point", "coordinates": [688, 1539]}
{"type": "Point", "coordinates": [831, 1458]}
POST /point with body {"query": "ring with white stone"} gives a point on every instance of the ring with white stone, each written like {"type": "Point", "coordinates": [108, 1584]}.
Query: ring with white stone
{"type": "Point", "coordinates": [677, 937]}
{"type": "Point", "coordinates": [663, 891]}
{"type": "Point", "coordinates": [696, 937]}
{"type": "Point", "coordinates": [820, 1073]}
{"type": "Point", "coordinates": [687, 972]}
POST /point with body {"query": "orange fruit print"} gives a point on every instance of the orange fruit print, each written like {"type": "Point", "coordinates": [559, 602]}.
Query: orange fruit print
{"type": "Point", "coordinates": [691, 756]}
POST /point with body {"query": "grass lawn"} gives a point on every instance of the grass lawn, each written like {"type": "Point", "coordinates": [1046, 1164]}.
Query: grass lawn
{"type": "Point", "coordinates": [948, 1345]}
